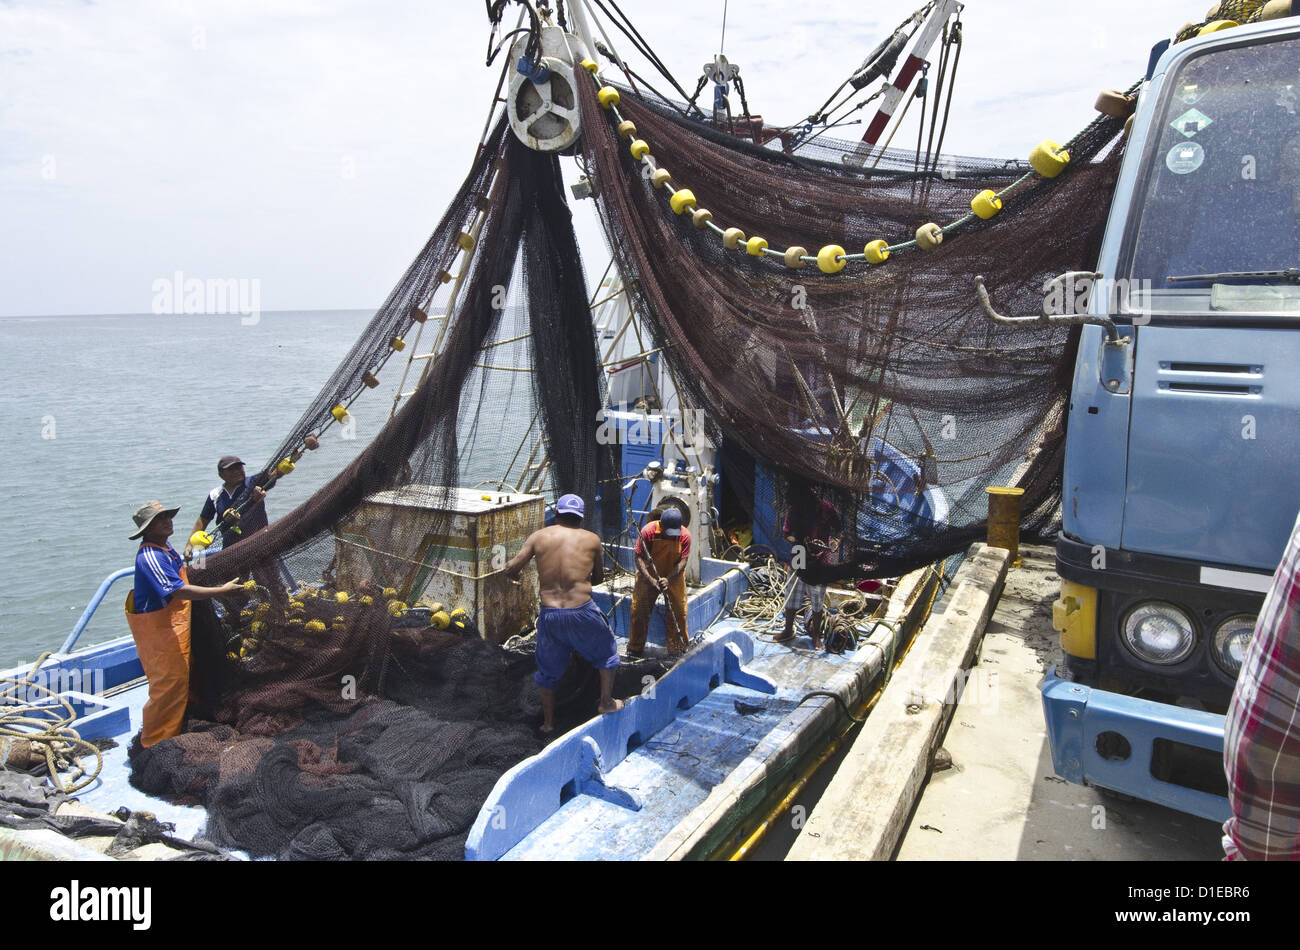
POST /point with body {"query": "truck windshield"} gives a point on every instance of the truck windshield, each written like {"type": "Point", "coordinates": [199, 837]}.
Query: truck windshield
{"type": "Point", "coordinates": [1223, 191]}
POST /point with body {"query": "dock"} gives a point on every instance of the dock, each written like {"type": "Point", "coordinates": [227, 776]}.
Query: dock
{"type": "Point", "coordinates": [954, 763]}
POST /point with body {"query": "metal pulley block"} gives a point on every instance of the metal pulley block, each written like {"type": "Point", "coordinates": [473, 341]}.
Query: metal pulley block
{"type": "Point", "coordinates": [542, 101]}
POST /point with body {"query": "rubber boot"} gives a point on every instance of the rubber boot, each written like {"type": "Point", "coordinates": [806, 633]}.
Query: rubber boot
{"type": "Point", "coordinates": [815, 628]}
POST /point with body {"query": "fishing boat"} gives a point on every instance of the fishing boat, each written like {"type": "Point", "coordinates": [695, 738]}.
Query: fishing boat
{"type": "Point", "coordinates": [707, 744]}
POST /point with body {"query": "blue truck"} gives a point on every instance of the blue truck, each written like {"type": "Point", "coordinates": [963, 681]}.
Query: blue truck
{"type": "Point", "coordinates": [1180, 483]}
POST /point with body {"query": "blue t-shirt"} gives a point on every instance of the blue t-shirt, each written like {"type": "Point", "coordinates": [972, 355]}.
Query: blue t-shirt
{"type": "Point", "coordinates": [252, 518]}
{"type": "Point", "coordinates": [157, 577]}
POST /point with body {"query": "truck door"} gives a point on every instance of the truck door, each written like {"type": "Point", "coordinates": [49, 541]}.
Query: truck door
{"type": "Point", "coordinates": [1213, 250]}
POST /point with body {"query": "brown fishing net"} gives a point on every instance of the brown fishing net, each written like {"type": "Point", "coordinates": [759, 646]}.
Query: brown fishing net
{"type": "Point", "coordinates": [335, 718]}
{"type": "Point", "coordinates": [813, 374]}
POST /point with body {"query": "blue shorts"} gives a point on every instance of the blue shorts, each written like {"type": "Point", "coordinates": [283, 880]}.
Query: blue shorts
{"type": "Point", "coordinates": [563, 629]}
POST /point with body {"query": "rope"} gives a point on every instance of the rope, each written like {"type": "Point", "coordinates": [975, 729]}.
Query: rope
{"type": "Point", "coordinates": [49, 734]}
{"type": "Point", "coordinates": [397, 557]}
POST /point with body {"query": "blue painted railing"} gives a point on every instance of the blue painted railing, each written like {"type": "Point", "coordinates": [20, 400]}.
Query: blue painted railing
{"type": "Point", "coordinates": [91, 607]}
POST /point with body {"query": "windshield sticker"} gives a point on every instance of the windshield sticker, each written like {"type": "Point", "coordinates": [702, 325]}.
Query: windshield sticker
{"type": "Point", "coordinates": [1190, 94]}
{"type": "Point", "coordinates": [1185, 158]}
{"type": "Point", "coordinates": [1287, 99]}
{"type": "Point", "coordinates": [1191, 122]}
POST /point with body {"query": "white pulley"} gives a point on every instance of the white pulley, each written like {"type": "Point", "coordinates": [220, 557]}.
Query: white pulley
{"type": "Point", "coordinates": [544, 114]}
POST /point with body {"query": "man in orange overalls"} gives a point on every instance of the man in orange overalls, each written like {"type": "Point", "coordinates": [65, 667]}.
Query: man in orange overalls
{"type": "Point", "coordinates": [158, 613]}
{"type": "Point", "coordinates": [661, 553]}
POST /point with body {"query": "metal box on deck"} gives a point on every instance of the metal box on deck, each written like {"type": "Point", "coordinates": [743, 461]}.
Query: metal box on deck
{"type": "Point", "coordinates": [461, 568]}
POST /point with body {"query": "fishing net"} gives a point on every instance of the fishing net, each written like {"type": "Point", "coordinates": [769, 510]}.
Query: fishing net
{"type": "Point", "coordinates": [289, 736]}
{"type": "Point", "coordinates": [878, 383]}
{"type": "Point", "coordinates": [1239, 11]}
{"type": "Point", "coordinates": [336, 716]}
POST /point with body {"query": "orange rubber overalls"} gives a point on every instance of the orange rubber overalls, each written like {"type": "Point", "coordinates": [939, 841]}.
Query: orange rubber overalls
{"type": "Point", "coordinates": [666, 554]}
{"type": "Point", "coordinates": [162, 639]}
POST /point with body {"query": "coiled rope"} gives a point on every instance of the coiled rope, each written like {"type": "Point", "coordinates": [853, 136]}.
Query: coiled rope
{"type": "Point", "coordinates": [46, 726]}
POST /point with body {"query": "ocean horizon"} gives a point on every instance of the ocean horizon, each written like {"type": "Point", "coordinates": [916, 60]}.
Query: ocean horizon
{"type": "Point", "coordinates": [110, 411]}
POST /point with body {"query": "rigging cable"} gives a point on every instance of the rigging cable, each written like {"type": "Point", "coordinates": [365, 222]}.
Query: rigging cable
{"type": "Point", "coordinates": [954, 37]}
{"type": "Point", "coordinates": [495, 10]}
{"type": "Point", "coordinates": [640, 45]}
{"type": "Point", "coordinates": [915, 20]}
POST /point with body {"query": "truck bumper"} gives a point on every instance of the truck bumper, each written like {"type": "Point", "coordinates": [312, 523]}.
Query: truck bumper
{"type": "Point", "coordinates": [1110, 740]}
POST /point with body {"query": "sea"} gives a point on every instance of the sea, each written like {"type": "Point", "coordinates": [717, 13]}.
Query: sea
{"type": "Point", "coordinates": [105, 413]}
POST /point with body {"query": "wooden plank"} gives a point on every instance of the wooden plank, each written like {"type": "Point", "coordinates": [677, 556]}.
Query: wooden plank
{"type": "Point", "coordinates": [805, 727]}
{"type": "Point", "coordinates": [864, 811]}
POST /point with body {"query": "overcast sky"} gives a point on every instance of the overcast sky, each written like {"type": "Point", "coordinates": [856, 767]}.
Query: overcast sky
{"type": "Point", "coordinates": [313, 146]}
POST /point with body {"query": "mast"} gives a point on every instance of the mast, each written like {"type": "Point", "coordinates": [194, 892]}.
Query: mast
{"type": "Point", "coordinates": [942, 11]}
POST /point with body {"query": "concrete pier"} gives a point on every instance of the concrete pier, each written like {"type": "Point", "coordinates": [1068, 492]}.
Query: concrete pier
{"type": "Point", "coordinates": [964, 772]}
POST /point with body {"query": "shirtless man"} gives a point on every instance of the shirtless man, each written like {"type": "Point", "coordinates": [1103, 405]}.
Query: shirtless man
{"type": "Point", "coordinates": [568, 563]}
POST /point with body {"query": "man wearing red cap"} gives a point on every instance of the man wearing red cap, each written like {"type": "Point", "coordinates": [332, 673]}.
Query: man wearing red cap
{"type": "Point", "coordinates": [569, 561]}
{"type": "Point", "coordinates": [158, 613]}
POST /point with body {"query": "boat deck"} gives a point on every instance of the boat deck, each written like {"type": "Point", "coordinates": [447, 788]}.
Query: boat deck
{"type": "Point", "coordinates": [674, 772]}
{"type": "Point", "coordinates": [112, 788]}
{"type": "Point", "coordinates": [730, 722]}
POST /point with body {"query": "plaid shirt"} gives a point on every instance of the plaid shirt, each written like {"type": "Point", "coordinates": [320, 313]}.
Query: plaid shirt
{"type": "Point", "coordinates": [1261, 742]}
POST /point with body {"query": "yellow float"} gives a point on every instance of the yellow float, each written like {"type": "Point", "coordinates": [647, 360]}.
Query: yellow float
{"type": "Point", "coordinates": [986, 204]}
{"type": "Point", "coordinates": [831, 259]}
{"type": "Point", "coordinates": [1049, 159]}
{"type": "Point", "coordinates": [682, 200]}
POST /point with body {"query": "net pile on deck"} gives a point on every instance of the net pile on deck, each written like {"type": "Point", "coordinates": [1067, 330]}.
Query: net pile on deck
{"type": "Point", "coordinates": [343, 732]}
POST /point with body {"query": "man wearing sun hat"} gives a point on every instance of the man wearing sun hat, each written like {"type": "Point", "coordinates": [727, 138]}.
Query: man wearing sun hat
{"type": "Point", "coordinates": [569, 561]}
{"type": "Point", "coordinates": [158, 613]}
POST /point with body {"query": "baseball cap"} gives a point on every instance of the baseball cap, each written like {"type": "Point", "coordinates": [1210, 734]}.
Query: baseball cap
{"type": "Point", "coordinates": [227, 461]}
{"type": "Point", "coordinates": [671, 522]}
{"type": "Point", "coordinates": [571, 505]}
{"type": "Point", "coordinates": [145, 515]}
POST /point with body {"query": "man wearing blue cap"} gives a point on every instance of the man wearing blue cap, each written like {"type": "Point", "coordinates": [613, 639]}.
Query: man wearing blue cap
{"type": "Point", "coordinates": [569, 561]}
{"type": "Point", "coordinates": [661, 552]}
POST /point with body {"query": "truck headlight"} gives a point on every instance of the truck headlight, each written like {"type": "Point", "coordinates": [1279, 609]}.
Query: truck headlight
{"type": "Point", "coordinates": [1230, 641]}
{"type": "Point", "coordinates": [1159, 633]}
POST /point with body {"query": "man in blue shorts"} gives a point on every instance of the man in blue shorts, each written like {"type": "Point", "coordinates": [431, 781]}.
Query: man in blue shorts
{"type": "Point", "coordinates": [568, 563]}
